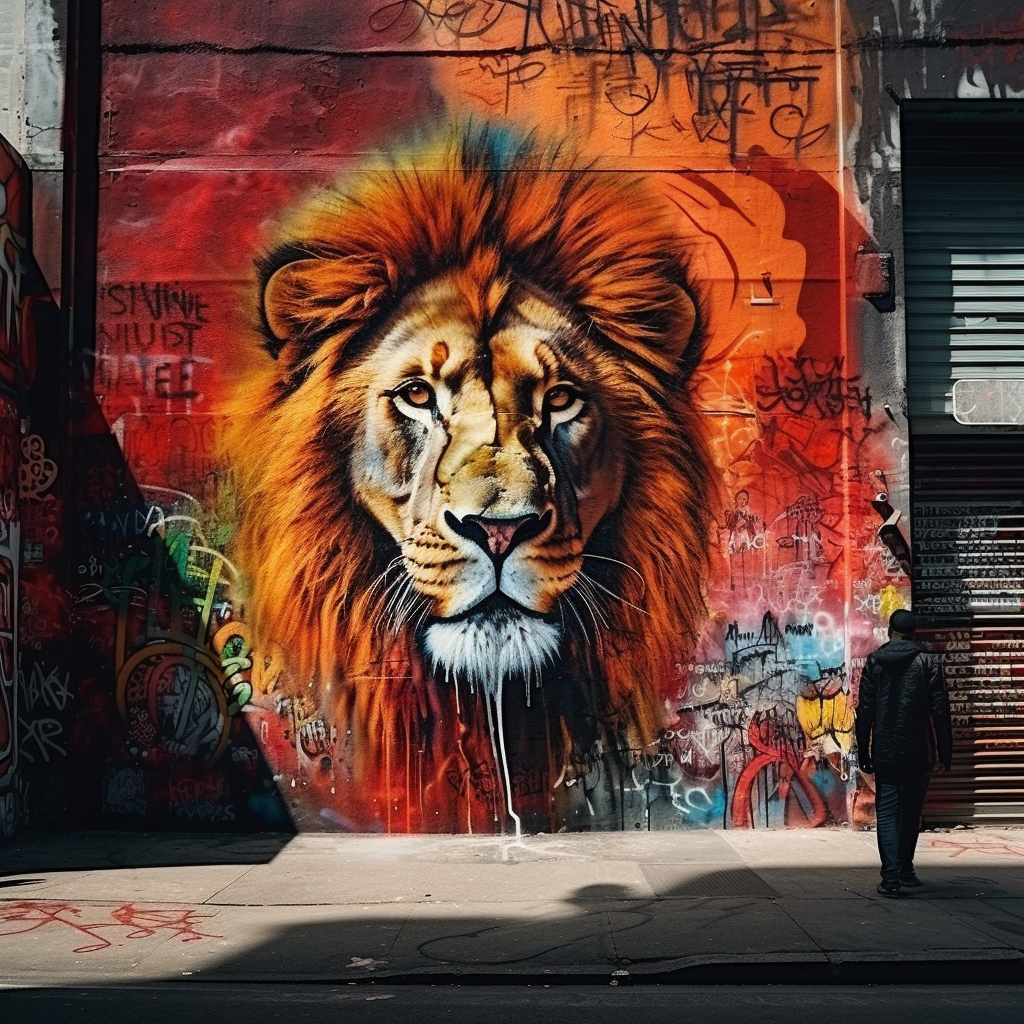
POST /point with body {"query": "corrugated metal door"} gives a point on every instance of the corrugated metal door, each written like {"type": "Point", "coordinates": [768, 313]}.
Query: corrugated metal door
{"type": "Point", "coordinates": [963, 188]}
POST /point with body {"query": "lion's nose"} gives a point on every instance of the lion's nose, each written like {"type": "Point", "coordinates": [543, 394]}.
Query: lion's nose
{"type": "Point", "coordinates": [498, 536]}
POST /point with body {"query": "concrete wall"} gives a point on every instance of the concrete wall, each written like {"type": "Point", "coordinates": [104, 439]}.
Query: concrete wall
{"type": "Point", "coordinates": [33, 41]}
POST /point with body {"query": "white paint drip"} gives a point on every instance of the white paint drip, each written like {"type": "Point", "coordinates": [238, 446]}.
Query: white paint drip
{"type": "Point", "coordinates": [490, 733]}
{"type": "Point", "coordinates": [504, 764]}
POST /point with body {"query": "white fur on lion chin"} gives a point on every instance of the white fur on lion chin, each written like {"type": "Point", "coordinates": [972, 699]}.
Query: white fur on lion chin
{"type": "Point", "coordinates": [486, 650]}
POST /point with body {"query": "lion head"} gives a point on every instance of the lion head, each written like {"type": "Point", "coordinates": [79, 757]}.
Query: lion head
{"type": "Point", "coordinates": [472, 433]}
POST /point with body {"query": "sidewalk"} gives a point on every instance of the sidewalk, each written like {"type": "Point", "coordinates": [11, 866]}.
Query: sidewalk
{"type": "Point", "coordinates": [101, 908]}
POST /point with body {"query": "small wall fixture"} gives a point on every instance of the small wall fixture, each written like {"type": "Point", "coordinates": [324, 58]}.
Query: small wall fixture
{"type": "Point", "coordinates": [876, 279]}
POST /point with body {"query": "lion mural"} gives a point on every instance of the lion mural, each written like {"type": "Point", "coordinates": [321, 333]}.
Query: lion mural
{"type": "Point", "coordinates": [474, 492]}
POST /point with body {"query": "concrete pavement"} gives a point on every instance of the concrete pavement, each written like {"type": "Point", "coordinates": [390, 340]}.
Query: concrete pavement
{"type": "Point", "coordinates": [114, 908]}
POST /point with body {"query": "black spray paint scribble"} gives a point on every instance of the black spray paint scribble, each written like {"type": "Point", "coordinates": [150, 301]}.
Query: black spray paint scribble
{"type": "Point", "coordinates": [739, 59]}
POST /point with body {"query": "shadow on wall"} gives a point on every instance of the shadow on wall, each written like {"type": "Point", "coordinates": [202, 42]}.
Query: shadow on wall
{"type": "Point", "coordinates": [34, 678]}
{"type": "Point", "coordinates": [113, 709]}
{"type": "Point", "coordinates": [160, 740]}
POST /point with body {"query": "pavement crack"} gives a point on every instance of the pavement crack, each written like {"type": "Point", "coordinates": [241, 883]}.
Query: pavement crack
{"type": "Point", "coordinates": [817, 945]}
{"type": "Point", "coordinates": [238, 878]}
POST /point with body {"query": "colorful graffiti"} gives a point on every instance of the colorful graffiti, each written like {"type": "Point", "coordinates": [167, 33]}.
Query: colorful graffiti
{"type": "Point", "coordinates": [146, 602]}
{"type": "Point", "coordinates": [484, 427]}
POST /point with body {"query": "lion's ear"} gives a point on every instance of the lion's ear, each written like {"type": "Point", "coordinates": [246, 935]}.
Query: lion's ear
{"type": "Point", "coordinates": [307, 298]}
{"type": "Point", "coordinates": [286, 296]}
{"type": "Point", "coordinates": [686, 331]}
{"type": "Point", "coordinates": [685, 316]}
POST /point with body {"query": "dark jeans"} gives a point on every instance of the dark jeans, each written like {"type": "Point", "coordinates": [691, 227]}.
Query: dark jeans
{"type": "Point", "coordinates": [899, 797]}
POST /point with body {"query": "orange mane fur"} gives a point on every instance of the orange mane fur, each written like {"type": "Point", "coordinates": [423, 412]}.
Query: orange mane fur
{"type": "Point", "coordinates": [607, 247]}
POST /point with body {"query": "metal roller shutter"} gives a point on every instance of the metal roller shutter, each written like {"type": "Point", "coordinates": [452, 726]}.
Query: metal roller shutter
{"type": "Point", "coordinates": [963, 188]}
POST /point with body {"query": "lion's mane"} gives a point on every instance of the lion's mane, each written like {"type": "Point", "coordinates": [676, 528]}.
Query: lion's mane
{"type": "Point", "coordinates": [608, 247]}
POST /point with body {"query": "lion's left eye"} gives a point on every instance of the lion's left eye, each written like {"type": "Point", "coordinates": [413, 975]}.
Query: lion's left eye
{"type": "Point", "coordinates": [560, 398]}
{"type": "Point", "coordinates": [563, 402]}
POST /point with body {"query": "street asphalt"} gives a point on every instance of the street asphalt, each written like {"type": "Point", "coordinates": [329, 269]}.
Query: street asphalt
{"type": "Point", "coordinates": [699, 908]}
{"type": "Point", "coordinates": [239, 1003]}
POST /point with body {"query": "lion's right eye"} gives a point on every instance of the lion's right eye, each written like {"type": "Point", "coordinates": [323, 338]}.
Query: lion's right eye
{"type": "Point", "coordinates": [417, 394]}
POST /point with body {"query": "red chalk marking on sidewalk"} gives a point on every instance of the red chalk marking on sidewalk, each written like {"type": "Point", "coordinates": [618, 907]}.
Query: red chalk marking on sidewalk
{"type": "Point", "coordinates": [24, 916]}
{"type": "Point", "coordinates": [960, 846]}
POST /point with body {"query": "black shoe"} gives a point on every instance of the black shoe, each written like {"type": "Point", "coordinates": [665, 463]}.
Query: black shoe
{"type": "Point", "coordinates": [890, 889]}
{"type": "Point", "coordinates": [909, 880]}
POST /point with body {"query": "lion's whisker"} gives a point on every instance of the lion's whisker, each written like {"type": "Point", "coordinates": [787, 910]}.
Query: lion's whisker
{"type": "Point", "coordinates": [427, 604]}
{"type": "Point", "coordinates": [396, 622]}
{"type": "Point", "coordinates": [396, 600]}
{"type": "Point", "coordinates": [397, 607]}
{"type": "Point", "coordinates": [417, 608]}
{"type": "Point", "coordinates": [410, 600]}
{"type": "Point", "coordinates": [612, 594]}
{"type": "Point", "coordinates": [591, 599]}
{"type": "Point", "coordinates": [597, 629]}
{"type": "Point", "coordinates": [588, 604]}
{"type": "Point", "coordinates": [393, 588]}
{"type": "Point", "coordinates": [384, 575]}
{"type": "Point", "coordinates": [568, 600]}
{"type": "Point", "coordinates": [406, 613]}
{"type": "Point", "coordinates": [615, 561]}
{"type": "Point", "coordinates": [397, 560]}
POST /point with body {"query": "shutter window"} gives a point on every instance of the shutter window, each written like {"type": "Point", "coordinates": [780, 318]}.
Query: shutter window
{"type": "Point", "coordinates": [987, 337]}
{"type": "Point", "coordinates": [963, 192]}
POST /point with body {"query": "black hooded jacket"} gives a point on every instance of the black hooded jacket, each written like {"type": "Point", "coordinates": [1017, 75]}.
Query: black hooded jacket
{"type": "Point", "coordinates": [902, 694]}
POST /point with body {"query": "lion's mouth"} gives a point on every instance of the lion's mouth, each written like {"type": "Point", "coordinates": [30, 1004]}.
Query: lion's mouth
{"type": "Point", "coordinates": [495, 606]}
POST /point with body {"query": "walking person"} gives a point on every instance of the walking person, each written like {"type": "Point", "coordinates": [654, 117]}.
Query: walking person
{"type": "Point", "coordinates": [904, 733]}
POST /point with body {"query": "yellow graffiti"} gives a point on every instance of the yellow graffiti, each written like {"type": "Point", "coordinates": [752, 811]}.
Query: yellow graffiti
{"type": "Point", "coordinates": [823, 715]}
{"type": "Point", "coordinates": [891, 600]}
{"type": "Point", "coordinates": [248, 672]}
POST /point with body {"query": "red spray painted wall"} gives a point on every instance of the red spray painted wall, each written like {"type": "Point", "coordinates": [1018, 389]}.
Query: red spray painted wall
{"type": "Point", "coordinates": [656, 308]}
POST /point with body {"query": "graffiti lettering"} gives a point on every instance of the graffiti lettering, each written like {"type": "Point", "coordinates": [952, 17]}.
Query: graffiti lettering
{"type": "Point", "coordinates": [720, 50]}
{"type": "Point", "coordinates": [49, 689]}
{"type": "Point", "coordinates": [44, 734]}
{"type": "Point", "coordinates": [164, 375]}
{"type": "Point", "coordinates": [203, 810]}
{"type": "Point", "coordinates": [801, 385]}
{"type": "Point", "coordinates": [157, 301]}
